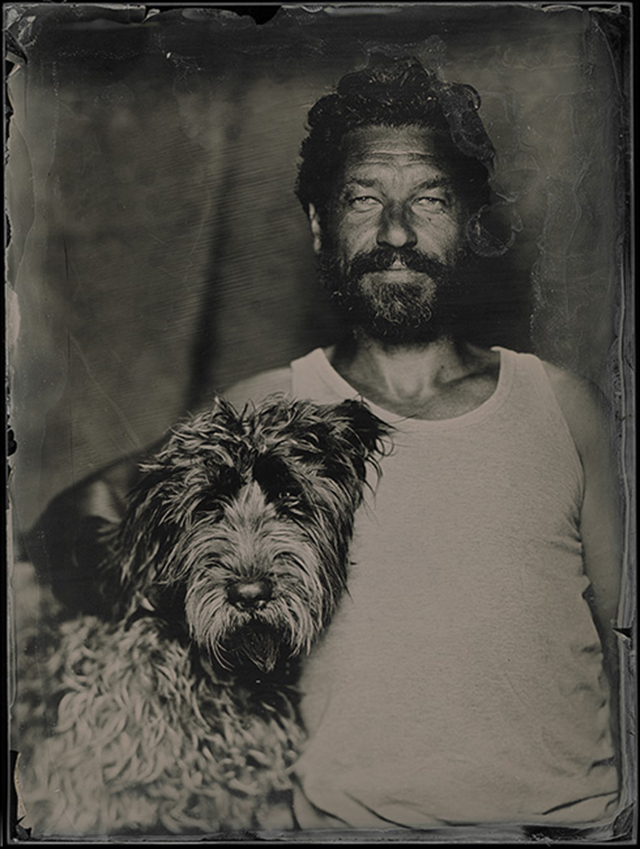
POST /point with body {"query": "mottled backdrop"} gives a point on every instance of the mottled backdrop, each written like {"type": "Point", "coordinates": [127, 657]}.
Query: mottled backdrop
{"type": "Point", "coordinates": [157, 250]}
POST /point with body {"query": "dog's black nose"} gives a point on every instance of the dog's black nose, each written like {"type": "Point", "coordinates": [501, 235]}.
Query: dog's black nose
{"type": "Point", "coordinates": [249, 593]}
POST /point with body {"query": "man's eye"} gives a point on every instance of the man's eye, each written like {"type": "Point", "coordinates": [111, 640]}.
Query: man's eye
{"type": "Point", "coordinates": [363, 201]}
{"type": "Point", "coordinates": [432, 203]}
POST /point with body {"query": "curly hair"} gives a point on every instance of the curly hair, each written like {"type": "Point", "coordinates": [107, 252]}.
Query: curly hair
{"type": "Point", "coordinates": [397, 93]}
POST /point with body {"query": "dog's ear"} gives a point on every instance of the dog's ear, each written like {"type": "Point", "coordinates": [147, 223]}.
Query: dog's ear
{"type": "Point", "coordinates": [368, 430]}
{"type": "Point", "coordinates": [168, 495]}
{"type": "Point", "coordinates": [153, 522]}
{"type": "Point", "coordinates": [361, 437]}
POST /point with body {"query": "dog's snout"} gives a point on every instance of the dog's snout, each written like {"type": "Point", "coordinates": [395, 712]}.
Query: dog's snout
{"type": "Point", "coordinates": [249, 593]}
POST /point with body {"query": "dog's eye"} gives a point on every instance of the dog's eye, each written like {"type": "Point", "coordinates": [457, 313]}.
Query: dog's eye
{"type": "Point", "coordinates": [282, 489]}
{"type": "Point", "coordinates": [209, 503]}
{"type": "Point", "coordinates": [286, 492]}
{"type": "Point", "coordinates": [273, 477]}
{"type": "Point", "coordinates": [228, 481]}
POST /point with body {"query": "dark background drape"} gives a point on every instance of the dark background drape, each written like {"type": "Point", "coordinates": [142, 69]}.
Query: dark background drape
{"type": "Point", "coordinates": [157, 252]}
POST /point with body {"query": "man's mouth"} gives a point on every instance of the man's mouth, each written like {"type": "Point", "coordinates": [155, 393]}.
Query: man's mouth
{"type": "Point", "coordinates": [396, 264]}
{"type": "Point", "coordinates": [398, 271]}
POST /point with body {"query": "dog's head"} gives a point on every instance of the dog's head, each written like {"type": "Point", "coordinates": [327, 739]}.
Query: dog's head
{"type": "Point", "coordinates": [240, 527]}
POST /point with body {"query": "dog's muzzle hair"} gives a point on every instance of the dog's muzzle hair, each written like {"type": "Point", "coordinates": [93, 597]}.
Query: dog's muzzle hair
{"type": "Point", "coordinates": [240, 526]}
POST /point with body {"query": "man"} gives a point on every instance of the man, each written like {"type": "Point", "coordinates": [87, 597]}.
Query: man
{"type": "Point", "coordinates": [461, 681]}
{"type": "Point", "coordinates": [467, 678]}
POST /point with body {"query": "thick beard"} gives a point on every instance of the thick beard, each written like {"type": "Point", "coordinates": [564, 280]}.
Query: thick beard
{"type": "Point", "coordinates": [397, 314]}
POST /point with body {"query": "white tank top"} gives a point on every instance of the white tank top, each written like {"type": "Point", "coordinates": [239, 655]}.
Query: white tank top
{"type": "Point", "coordinates": [461, 680]}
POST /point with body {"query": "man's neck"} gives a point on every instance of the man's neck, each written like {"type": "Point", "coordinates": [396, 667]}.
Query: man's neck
{"type": "Point", "coordinates": [441, 379]}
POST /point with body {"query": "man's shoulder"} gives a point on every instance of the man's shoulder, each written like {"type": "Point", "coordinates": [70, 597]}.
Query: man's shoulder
{"type": "Point", "coordinates": [574, 390]}
{"type": "Point", "coordinates": [583, 405]}
{"type": "Point", "coordinates": [258, 386]}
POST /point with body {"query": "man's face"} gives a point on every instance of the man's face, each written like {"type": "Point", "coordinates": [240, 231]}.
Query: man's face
{"type": "Point", "coordinates": [393, 237]}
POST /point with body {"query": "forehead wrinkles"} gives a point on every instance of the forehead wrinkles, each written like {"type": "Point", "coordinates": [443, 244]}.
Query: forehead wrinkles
{"type": "Point", "coordinates": [380, 155]}
{"type": "Point", "coordinates": [412, 142]}
{"type": "Point", "coordinates": [370, 172]}
{"type": "Point", "coordinates": [381, 151]}
{"type": "Point", "coordinates": [367, 168]}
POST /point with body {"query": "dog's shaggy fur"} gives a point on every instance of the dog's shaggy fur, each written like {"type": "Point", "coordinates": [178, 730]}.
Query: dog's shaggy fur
{"type": "Point", "coordinates": [177, 711]}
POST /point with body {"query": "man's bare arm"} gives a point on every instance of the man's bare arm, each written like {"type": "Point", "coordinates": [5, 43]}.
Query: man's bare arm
{"type": "Point", "coordinates": [600, 522]}
{"type": "Point", "coordinates": [586, 415]}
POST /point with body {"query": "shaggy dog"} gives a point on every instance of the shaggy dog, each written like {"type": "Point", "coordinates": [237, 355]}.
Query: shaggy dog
{"type": "Point", "coordinates": [176, 712]}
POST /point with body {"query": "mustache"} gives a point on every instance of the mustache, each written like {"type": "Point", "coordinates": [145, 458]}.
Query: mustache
{"type": "Point", "coordinates": [383, 257]}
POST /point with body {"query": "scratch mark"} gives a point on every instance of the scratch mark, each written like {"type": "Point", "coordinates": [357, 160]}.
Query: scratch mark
{"type": "Point", "coordinates": [510, 683]}
{"type": "Point", "coordinates": [114, 406]}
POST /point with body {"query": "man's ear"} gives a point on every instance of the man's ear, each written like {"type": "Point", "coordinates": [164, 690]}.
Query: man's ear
{"type": "Point", "coordinates": [316, 229]}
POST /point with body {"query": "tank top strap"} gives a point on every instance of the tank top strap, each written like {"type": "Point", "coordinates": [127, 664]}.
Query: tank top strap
{"type": "Point", "coordinates": [313, 377]}
{"type": "Point", "coordinates": [533, 394]}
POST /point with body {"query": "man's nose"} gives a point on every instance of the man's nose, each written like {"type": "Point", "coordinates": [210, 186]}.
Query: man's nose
{"type": "Point", "coordinates": [395, 228]}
